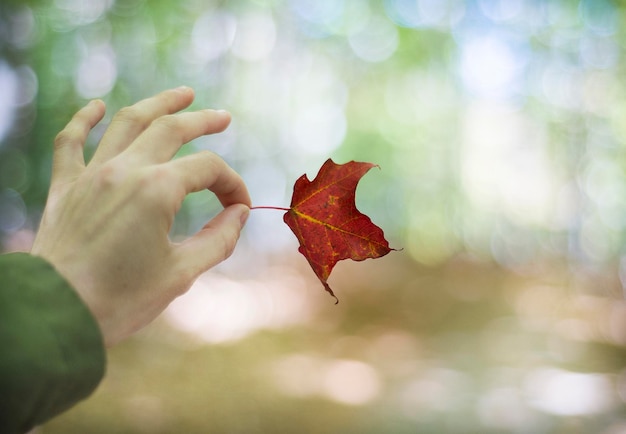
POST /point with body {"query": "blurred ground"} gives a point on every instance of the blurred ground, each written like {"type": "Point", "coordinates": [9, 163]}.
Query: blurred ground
{"type": "Point", "coordinates": [466, 347]}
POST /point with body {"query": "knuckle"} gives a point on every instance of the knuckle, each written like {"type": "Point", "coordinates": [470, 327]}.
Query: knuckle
{"type": "Point", "coordinates": [107, 176]}
{"type": "Point", "coordinates": [149, 183]}
{"type": "Point", "coordinates": [236, 188]}
{"type": "Point", "coordinates": [214, 162]}
{"type": "Point", "coordinates": [129, 115]}
{"type": "Point", "coordinates": [227, 241]}
{"type": "Point", "coordinates": [168, 122]}
{"type": "Point", "coordinates": [165, 177]}
{"type": "Point", "coordinates": [156, 185]}
{"type": "Point", "coordinates": [65, 138]}
{"type": "Point", "coordinates": [210, 160]}
{"type": "Point", "coordinates": [209, 155]}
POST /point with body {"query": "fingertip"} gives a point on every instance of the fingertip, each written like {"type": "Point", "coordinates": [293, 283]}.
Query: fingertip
{"type": "Point", "coordinates": [223, 113]}
{"type": "Point", "coordinates": [226, 116]}
{"type": "Point", "coordinates": [220, 120]}
{"type": "Point", "coordinates": [97, 104]}
{"type": "Point", "coordinates": [220, 114]}
{"type": "Point", "coordinates": [244, 213]}
{"type": "Point", "coordinates": [186, 91]}
{"type": "Point", "coordinates": [237, 214]}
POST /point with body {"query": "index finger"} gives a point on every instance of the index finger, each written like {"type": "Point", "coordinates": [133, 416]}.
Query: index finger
{"type": "Point", "coordinates": [131, 121]}
{"type": "Point", "coordinates": [167, 134]}
{"type": "Point", "coordinates": [206, 170]}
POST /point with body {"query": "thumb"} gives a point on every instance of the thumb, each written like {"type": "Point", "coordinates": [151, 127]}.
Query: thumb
{"type": "Point", "coordinates": [215, 241]}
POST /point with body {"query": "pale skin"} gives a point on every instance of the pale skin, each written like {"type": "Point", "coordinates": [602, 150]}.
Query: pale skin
{"type": "Point", "coordinates": [106, 223]}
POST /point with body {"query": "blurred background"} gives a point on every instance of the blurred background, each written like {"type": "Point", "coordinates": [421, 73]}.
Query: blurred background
{"type": "Point", "coordinates": [500, 129]}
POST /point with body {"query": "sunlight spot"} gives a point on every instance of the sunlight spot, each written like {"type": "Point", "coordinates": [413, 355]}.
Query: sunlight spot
{"type": "Point", "coordinates": [218, 309]}
{"type": "Point", "coordinates": [351, 382]}
{"type": "Point", "coordinates": [212, 35]}
{"type": "Point", "coordinates": [9, 90]}
{"type": "Point", "coordinates": [346, 381]}
{"type": "Point", "coordinates": [298, 375]}
{"type": "Point", "coordinates": [255, 37]}
{"type": "Point", "coordinates": [12, 211]}
{"type": "Point", "coordinates": [566, 393]}
{"type": "Point", "coordinates": [490, 67]}
{"type": "Point", "coordinates": [97, 72]}
{"type": "Point", "coordinates": [375, 42]}
{"type": "Point", "coordinates": [505, 166]}
{"type": "Point", "coordinates": [319, 129]}
{"type": "Point", "coordinates": [317, 123]}
{"type": "Point", "coordinates": [28, 86]}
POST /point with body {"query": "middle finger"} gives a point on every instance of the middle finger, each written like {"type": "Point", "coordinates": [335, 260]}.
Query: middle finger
{"type": "Point", "coordinates": [165, 136]}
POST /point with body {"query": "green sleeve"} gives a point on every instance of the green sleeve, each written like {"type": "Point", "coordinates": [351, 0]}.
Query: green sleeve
{"type": "Point", "coordinates": [51, 350]}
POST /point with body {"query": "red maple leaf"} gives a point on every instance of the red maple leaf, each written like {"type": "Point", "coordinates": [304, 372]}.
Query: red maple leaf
{"type": "Point", "coordinates": [329, 227]}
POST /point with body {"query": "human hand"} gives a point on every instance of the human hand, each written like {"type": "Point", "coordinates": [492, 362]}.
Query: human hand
{"type": "Point", "coordinates": [105, 226]}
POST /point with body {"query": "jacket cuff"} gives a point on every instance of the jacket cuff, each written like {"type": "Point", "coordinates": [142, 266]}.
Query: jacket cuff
{"type": "Point", "coordinates": [52, 348]}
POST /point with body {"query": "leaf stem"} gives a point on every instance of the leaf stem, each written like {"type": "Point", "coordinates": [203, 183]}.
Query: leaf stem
{"type": "Point", "coordinates": [271, 207]}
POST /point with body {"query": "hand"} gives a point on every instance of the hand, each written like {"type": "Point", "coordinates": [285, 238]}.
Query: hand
{"type": "Point", "coordinates": [105, 226]}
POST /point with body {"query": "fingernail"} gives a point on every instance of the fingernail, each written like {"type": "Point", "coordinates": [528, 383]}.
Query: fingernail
{"type": "Point", "coordinates": [219, 112]}
{"type": "Point", "coordinates": [244, 216]}
{"type": "Point", "coordinates": [183, 89]}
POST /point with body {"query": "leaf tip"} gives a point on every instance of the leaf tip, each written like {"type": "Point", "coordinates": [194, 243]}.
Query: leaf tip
{"type": "Point", "coordinates": [330, 291]}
